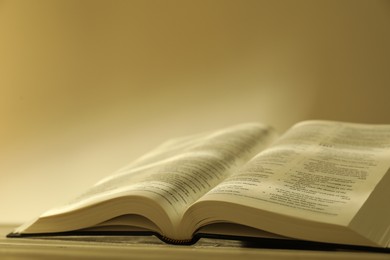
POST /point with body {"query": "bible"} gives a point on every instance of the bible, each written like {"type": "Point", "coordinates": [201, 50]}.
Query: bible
{"type": "Point", "coordinates": [321, 181]}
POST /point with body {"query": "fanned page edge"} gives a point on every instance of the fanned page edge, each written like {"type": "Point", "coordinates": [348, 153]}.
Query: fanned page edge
{"type": "Point", "coordinates": [243, 132]}
{"type": "Point", "coordinates": [365, 126]}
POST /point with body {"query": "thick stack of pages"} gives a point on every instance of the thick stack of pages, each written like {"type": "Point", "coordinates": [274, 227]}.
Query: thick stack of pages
{"type": "Point", "coordinates": [320, 181]}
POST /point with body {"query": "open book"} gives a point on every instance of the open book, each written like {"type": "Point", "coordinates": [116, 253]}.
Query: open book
{"type": "Point", "coordinates": [320, 181]}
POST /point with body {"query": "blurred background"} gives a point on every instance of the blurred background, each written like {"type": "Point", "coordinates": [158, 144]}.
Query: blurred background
{"type": "Point", "coordinates": [88, 86]}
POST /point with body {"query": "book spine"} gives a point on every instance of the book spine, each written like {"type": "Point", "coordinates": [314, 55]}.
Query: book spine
{"type": "Point", "coordinates": [177, 241]}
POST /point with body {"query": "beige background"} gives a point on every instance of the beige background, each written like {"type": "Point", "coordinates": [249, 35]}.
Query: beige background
{"type": "Point", "coordinates": [87, 86]}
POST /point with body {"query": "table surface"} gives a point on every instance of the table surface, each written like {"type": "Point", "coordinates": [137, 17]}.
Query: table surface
{"type": "Point", "coordinates": [149, 247]}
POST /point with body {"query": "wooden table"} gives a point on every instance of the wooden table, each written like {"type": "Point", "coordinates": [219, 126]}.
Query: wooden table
{"type": "Point", "coordinates": [120, 247]}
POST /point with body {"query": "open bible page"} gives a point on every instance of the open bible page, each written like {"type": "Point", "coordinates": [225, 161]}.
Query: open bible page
{"type": "Point", "coordinates": [180, 171]}
{"type": "Point", "coordinates": [318, 170]}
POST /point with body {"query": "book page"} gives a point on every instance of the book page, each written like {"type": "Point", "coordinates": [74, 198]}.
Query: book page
{"type": "Point", "coordinates": [180, 171]}
{"type": "Point", "coordinates": [318, 170]}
